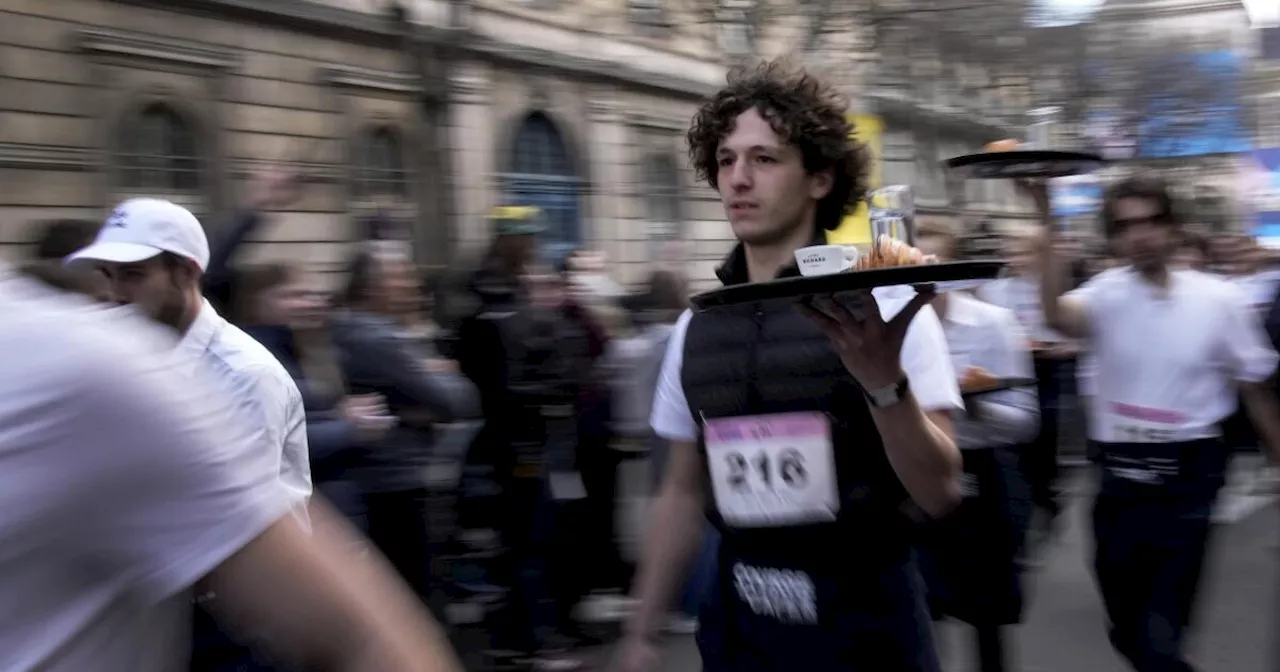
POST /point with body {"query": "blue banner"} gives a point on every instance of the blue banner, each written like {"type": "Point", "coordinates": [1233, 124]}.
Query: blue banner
{"type": "Point", "coordinates": [1076, 196]}
{"type": "Point", "coordinates": [1266, 188]}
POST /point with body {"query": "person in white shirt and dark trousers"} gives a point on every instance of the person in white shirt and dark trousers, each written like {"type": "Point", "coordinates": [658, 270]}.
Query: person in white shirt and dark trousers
{"type": "Point", "coordinates": [969, 558]}
{"type": "Point", "coordinates": [153, 254]}
{"type": "Point", "coordinates": [1054, 361]}
{"type": "Point", "coordinates": [1172, 348]}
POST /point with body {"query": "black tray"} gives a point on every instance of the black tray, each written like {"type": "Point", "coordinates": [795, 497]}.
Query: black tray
{"type": "Point", "coordinates": [1024, 164]}
{"type": "Point", "coordinates": [941, 277]}
{"type": "Point", "coordinates": [1001, 385]}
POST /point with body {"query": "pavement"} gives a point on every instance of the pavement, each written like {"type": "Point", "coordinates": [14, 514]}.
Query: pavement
{"type": "Point", "coordinates": [1238, 628]}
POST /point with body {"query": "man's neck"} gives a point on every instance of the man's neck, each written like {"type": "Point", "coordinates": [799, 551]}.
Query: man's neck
{"type": "Point", "coordinates": [764, 262]}
{"type": "Point", "coordinates": [184, 323]}
{"type": "Point", "coordinates": [1156, 276]}
{"type": "Point", "coordinates": [940, 304]}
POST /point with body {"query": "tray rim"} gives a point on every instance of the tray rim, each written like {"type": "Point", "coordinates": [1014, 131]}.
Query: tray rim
{"type": "Point", "coordinates": [997, 265]}
{"type": "Point", "coordinates": [1010, 383]}
{"type": "Point", "coordinates": [1022, 154]}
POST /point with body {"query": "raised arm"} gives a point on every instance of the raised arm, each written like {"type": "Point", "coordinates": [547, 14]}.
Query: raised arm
{"type": "Point", "coordinates": [1065, 314]}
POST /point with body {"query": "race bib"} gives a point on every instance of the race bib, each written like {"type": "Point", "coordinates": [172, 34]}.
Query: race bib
{"type": "Point", "coordinates": [772, 470]}
{"type": "Point", "coordinates": [1138, 424]}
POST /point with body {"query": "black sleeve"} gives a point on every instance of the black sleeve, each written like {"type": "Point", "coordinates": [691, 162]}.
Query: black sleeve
{"type": "Point", "coordinates": [384, 360]}
{"type": "Point", "coordinates": [218, 277]}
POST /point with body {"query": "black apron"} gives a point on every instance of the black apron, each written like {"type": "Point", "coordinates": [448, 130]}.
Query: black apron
{"type": "Point", "coordinates": [818, 578]}
{"type": "Point", "coordinates": [1151, 524]}
{"type": "Point", "coordinates": [969, 558]}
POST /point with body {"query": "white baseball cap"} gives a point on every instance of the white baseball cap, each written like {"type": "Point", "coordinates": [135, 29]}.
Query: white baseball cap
{"type": "Point", "coordinates": [141, 228]}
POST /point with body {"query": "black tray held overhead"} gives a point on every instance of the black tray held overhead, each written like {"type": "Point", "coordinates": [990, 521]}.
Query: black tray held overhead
{"type": "Point", "coordinates": [943, 277]}
{"type": "Point", "coordinates": [1022, 164]}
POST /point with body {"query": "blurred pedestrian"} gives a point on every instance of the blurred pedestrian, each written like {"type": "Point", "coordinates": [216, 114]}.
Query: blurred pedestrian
{"type": "Point", "coordinates": [286, 311]}
{"type": "Point", "coordinates": [128, 482]}
{"type": "Point", "coordinates": [379, 359]}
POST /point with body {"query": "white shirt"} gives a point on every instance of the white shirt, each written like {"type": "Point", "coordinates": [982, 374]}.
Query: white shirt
{"type": "Point", "coordinates": [1259, 289]}
{"type": "Point", "coordinates": [269, 403]}
{"type": "Point", "coordinates": [1022, 296]}
{"type": "Point", "coordinates": [122, 483]}
{"type": "Point", "coordinates": [1165, 364]}
{"type": "Point", "coordinates": [986, 336]}
{"type": "Point", "coordinates": [924, 359]}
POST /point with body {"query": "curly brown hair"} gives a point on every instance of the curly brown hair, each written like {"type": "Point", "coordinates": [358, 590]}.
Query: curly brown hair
{"type": "Point", "coordinates": [803, 110]}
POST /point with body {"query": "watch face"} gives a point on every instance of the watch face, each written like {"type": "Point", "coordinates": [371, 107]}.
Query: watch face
{"type": "Point", "coordinates": [888, 395]}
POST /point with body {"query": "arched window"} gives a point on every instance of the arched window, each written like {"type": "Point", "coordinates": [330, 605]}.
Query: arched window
{"type": "Point", "coordinates": [662, 197]}
{"type": "Point", "coordinates": [541, 174]}
{"type": "Point", "coordinates": [157, 151]}
{"type": "Point", "coordinates": [380, 163]}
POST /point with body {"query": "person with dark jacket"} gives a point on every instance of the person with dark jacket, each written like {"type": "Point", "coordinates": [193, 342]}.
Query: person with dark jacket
{"type": "Point", "coordinates": [379, 357]}
{"type": "Point", "coordinates": [516, 347]}
{"type": "Point", "coordinates": [276, 305]}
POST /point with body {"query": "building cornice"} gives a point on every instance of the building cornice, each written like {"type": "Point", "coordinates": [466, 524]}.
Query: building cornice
{"type": "Point", "coordinates": [371, 28]}
{"type": "Point", "coordinates": [1145, 9]}
{"type": "Point", "coordinates": [46, 157]}
{"type": "Point", "coordinates": [382, 81]}
{"type": "Point", "coordinates": [122, 44]}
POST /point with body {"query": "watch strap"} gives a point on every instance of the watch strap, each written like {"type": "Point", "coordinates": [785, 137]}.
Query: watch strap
{"type": "Point", "coordinates": [888, 395]}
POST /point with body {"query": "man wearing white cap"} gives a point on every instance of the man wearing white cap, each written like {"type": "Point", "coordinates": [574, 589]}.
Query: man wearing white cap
{"type": "Point", "coordinates": [153, 253]}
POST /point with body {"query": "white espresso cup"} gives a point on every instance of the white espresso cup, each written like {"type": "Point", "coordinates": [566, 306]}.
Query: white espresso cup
{"type": "Point", "coordinates": [826, 259]}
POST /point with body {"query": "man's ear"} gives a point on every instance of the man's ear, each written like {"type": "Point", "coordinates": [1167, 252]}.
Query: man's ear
{"type": "Point", "coordinates": [820, 184]}
{"type": "Point", "coordinates": [186, 272]}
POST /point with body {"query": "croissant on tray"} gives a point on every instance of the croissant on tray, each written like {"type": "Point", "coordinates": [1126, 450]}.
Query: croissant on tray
{"type": "Point", "coordinates": [888, 252]}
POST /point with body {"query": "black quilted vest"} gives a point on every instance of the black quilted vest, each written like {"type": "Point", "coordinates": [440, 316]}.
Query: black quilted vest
{"type": "Point", "coordinates": [767, 358]}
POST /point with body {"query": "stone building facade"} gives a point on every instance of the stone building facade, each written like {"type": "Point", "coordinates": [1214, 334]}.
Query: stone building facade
{"type": "Point", "coordinates": [101, 100]}
{"type": "Point", "coordinates": [578, 106]}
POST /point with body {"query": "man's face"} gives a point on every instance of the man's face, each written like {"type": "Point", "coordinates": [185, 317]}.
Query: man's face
{"type": "Point", "coordinates": [1022, 252]}
{"type": "Point", "coordinates": [1189, 257]}
{"type": "Point", "coordinates": [1142, 235]}
{"type": "Point", "coordinates": [766, 193]}
{"type": "Point", "coordinates": [155, 286]}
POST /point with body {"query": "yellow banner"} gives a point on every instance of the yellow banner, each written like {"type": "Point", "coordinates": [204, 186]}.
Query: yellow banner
{"type": "Point", "coordinates": [856, 228]}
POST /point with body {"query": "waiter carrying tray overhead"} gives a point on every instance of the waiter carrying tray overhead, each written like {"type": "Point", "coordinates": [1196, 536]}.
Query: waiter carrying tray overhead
{"type": "Point", "coordinates": [1171, 349]}
{"type": "Point", "coordinates": [802, 437]}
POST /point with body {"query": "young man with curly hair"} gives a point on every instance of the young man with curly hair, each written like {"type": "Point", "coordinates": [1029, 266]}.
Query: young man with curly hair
{"type": "Point", "coordinates": [808, 439]}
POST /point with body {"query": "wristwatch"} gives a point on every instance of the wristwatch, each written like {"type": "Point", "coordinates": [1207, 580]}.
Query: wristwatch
{"type": "Point", "coordinates": [884, 397]}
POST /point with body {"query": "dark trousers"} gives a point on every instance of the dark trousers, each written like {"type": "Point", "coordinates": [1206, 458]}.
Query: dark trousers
{"type": "Point", "coordinates": [528, 529]}
{"type": "Point", "coordinates": [214, 649]}
{"type": "Point", "coordinates": [1039, 459]}
{"type": "Point", "coordinates": [598, 463]}
{"type": "Point", "coordinates": [397, 524]}
{"type": "Point", "coordinates": [1149, 553]}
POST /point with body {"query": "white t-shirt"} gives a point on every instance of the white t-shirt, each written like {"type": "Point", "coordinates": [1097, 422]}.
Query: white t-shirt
{"type": "Point", "coordinates": [1022, 296]}
{"type": "Point", "coordinates": [122, 483]}
{"type": "Point", "coordinates": [1165, 364]}
{"type": "Point", "coordinates": [1259, 289]}
{"type": "Point", "coordinates": [925, 360]}
{"type": "Point", "coordinates": [269, 402]}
